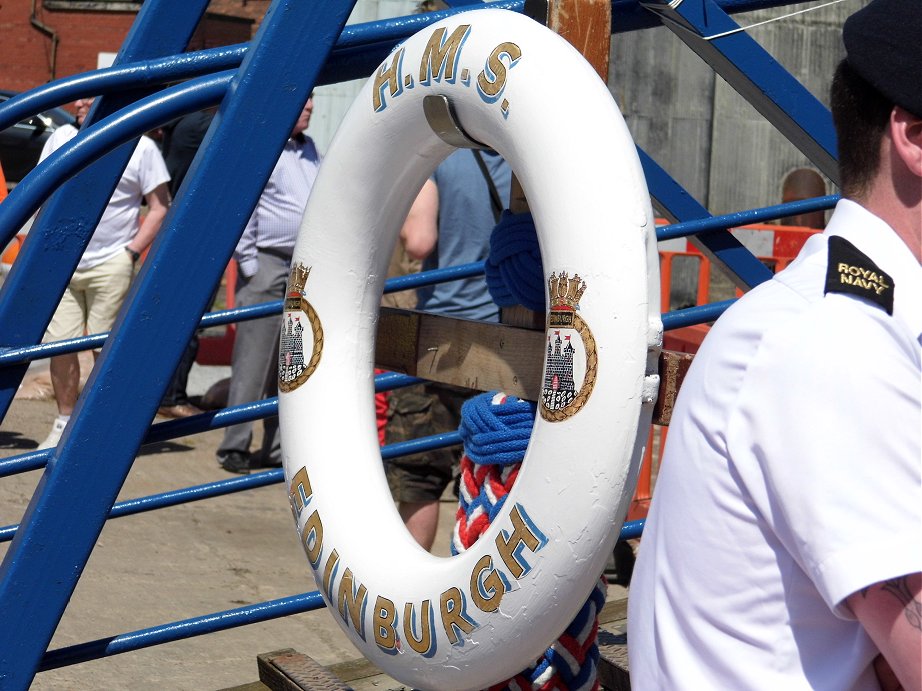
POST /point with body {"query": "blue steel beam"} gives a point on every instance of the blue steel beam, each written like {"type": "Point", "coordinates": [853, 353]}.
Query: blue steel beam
{"type": "Point", "coordinates": [718, 245]}
{"type": "Point", "coordinates": [66, 514]}
{"type": "Point", "coordinates": [62, 231]}
{"type": "Point", "coordinates": [737, 57]}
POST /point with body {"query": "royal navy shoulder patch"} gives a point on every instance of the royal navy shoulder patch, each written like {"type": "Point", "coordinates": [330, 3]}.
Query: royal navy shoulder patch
{"type": "Point", "coordinates": [296, 339]}
{"type": "Point", "coordinates": [851, 271]}
{"type": "Point", "coordinates": [571, 360]}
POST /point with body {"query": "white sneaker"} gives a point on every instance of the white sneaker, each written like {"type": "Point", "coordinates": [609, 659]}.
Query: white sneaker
{"type": "Point", "coordinates": [57, 429]}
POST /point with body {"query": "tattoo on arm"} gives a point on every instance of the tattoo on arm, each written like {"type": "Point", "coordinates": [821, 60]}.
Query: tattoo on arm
{"type": "Point", "coordinates": [899, 588]}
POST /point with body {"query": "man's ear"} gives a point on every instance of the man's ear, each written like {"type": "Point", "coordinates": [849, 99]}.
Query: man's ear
{"type": "Point", "coordinates": [906, 132]}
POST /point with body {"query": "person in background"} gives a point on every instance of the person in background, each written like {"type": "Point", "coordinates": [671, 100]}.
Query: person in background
{"type": "Point", "coordinates": [100, 283]}
{"type": "Point", "coordinates": [181, 141]}
{"type": "Point", "coordinates": [783, 549]}
{"type": "Point", "coordinates": [264, 259]}
{"type": "Point", "coordinates": [798, 185]}
{"type": "Point", "coordinates": [449, 223]}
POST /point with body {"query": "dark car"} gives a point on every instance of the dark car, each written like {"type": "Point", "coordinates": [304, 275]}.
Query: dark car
{"type": "Point", "coordinates": [21, 144]}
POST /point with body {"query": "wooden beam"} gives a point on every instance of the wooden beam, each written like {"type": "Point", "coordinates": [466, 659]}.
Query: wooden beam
{"type": "Point", "coordinates": [586, 25]}
{"type": "Point", "coordinates": [487, 356]}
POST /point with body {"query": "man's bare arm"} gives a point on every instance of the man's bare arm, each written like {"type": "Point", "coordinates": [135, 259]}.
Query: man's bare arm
{"type": "Point", "coordinates": [891, 613]}
{"type": "Point", "coordinates": [420, 231]}
{"type": "Point", "coordinates": [158, 201]}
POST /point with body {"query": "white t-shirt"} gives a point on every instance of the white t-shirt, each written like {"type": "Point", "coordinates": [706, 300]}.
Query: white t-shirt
{"type": "Point", "coordinates": [121, 220]}
{"type": "Point", "coordinates": [792, 479]}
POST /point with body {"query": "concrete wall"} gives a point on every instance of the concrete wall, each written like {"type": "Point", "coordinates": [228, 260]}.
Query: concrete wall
{"type": "Point", "coordinates": [331, 102]}
{"type": "Point", "coordinates": [698, 128]}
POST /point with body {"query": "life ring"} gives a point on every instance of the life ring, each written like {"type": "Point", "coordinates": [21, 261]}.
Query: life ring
{"type": "Point", "coordinates": [467, 621]}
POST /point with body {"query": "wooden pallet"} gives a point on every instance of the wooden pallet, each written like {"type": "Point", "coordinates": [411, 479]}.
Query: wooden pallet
{"type": "Point", "coordinates": [289, 670]}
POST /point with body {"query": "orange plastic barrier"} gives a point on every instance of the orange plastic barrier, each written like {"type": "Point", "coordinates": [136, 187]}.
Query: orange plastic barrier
{"type": "Point", "coordinates": [217, 350]}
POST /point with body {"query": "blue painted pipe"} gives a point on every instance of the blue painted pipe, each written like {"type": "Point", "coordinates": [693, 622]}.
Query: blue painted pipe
{"type": "Point", "coordinates": [13, 356]}
{"type": "Point", "coordinates": [238, 484]}
{"type": "Point", "coordinates": [100, 138]}
{"type": "Point", "coordinates": [174, 429]}
{"type": "Point", "coordinates": [743, 218]}
{"type": "Point", "coordinates": [180, 630]}
{"type": "Point", "coordinates": [210, 623]}
{"type": "Point", "coordinates": [355, 45]}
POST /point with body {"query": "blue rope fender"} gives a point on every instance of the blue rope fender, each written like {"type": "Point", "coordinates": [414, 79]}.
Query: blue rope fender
{"type": "Point", "coordinates": [513, 269]}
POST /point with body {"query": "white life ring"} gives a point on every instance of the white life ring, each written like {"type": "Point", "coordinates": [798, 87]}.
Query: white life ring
{"type": "Point", "coordinates": [468, 621]}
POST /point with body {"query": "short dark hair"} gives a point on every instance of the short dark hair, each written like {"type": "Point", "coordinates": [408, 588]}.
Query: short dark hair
{"type": "Point", "coordinates": [430, 6]}
{"type": "Point", "coordinates": [861, 114]}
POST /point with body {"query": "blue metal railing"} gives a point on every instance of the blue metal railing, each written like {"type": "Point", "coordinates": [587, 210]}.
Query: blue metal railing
{"type": "Point", "coordinates": [299, 45]}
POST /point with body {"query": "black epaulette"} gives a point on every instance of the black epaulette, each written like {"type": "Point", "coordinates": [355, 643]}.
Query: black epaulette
{"type": "Point", "coordinates": [851, 271]}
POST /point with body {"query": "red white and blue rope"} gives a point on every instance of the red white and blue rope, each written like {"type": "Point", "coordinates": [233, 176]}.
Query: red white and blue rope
{"type": "Point", "coordinates": [495, 430]}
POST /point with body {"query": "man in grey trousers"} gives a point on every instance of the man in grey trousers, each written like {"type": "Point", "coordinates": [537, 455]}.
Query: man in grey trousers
{"type": "Point", "coordinates": [263, 260]}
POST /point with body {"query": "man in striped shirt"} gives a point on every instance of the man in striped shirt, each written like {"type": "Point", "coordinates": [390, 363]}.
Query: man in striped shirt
{"type": "Point", "coordinates": [263, 260]}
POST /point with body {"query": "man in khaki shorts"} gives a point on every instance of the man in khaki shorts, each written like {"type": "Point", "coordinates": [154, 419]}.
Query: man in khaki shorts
{"type": "Point", "coordinates": [100, 283]}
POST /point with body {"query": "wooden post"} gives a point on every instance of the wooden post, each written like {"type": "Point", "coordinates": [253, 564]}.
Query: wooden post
{"type": "Point", "coordinates": [586, 25]}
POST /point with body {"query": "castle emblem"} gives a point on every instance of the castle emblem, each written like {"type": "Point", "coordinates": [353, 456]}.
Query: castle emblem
{"type": "Point", "coordinates": [301, 340]}
{"type": "Point", "coordinates": [571, 360]}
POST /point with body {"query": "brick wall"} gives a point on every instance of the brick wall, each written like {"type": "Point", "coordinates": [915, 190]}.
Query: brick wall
{"type": "Point", "coordinates": [26, 55]}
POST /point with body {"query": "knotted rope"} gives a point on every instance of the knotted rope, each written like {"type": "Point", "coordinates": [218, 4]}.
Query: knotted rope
{"type": "Point", "coordinates": [513, 269]}
{"type": "Point", "coordinates": [495, 430]}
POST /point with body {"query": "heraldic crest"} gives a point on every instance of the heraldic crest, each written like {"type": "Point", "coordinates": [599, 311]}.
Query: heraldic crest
{"type": "Point", "coordinates": [300, 347]}
{"type": "Point", "coordinates": [571, 359]}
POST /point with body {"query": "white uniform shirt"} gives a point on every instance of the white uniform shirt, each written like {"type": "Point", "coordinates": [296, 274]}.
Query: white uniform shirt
{"type": "Point", "coordinates": [791, 480]}
{"type": "Point", "coordinates": [276, 220]}
{"type": "Point", "coordinates": [121, 220]}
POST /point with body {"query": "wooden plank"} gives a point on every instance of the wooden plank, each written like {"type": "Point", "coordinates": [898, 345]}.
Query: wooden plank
{"type": "Point", "coordinates": [289, 670]}
{"type": "Point", "coordinates": [613, 669]}
{"type": "Point", "coordinates": [488, 356]}
{"type": "Point", "coordinates": [586, 24]}
{"type": "Point", "coordinates": [477, 355]}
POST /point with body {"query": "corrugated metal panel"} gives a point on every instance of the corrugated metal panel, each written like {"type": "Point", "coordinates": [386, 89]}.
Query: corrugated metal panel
{"type": "Point", "coordinates": [700, 130]}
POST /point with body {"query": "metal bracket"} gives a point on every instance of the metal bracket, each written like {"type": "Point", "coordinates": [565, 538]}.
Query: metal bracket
{"type": "Point", "coordinates": [443, 121]}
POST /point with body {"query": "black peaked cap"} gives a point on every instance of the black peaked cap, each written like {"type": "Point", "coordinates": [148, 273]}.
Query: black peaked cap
{"type": "Point", "coordinates": [883, 43]}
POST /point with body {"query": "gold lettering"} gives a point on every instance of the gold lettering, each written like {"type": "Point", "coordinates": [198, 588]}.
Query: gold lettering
{"type": "Point", "coordinates": [441, 55]}
{"type": "Point", "coordinates": [384, 623]}
{"type": "Point", "coordinates": [312, 538]}
{"type": "Point", "coordinates": [524, 534]}
{"type": "Point", "coordinates": [843, 267]}
{"type": "Point", "coordinates": [486, 592]}
{"type": "Point", "coordinates": [425, 643]}
{"type": "Point", "coordinates": [352, 601]}
{"type": "Point", "coordinates": [300, 493]}
{"type": "Point", "coordinates": [455, 619]}
{"type": "Point", "coordinates": [390, 78]}
{"type": "Point", "coordinates": [492, 80]}
{"type": "Point", "coordinates": [329, 572]}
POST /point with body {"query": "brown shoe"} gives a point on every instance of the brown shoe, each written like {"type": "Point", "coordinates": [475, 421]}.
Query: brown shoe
{"type": "Point", "coordinates": [179, 410]}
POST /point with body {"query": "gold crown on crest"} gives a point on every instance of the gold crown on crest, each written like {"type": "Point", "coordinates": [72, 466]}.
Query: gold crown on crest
{"type": "Point", "coordinates": [564, 290]}
{"type": "Point", "coordinates": [298, 278]}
